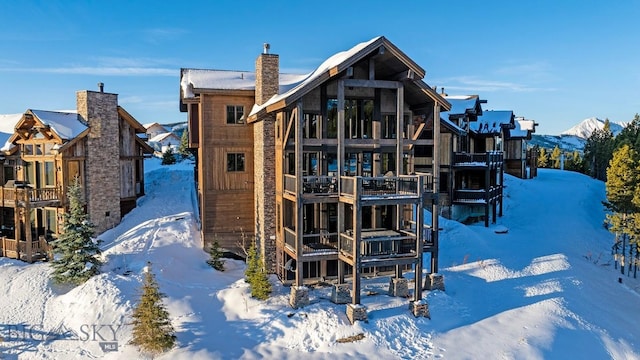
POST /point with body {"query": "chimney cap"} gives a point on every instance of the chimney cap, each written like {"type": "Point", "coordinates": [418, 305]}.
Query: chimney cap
{"type": "Point", "coordinates": [265, 48]}
{"type": "Point", "coordinates": [101, 86]}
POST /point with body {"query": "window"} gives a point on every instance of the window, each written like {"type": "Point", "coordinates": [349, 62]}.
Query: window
{"type": "Point", "coordinates": [235, 114]}
{"type": "Point", "coordinates": [235, 162]}
{"type": "Point", "coordinates": [49, 173]}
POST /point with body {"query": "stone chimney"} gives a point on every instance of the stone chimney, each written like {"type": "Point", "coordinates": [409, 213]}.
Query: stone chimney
{"type": "Point", "coordinates": [267, 75]}
{"type": "Point", "coordinates": [267, 84]}
{"type": "Point", "coordinates": [101, 182]}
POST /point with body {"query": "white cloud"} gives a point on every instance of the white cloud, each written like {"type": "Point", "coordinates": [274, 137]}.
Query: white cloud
{"type": "Point", "coordinates": [99, 70]}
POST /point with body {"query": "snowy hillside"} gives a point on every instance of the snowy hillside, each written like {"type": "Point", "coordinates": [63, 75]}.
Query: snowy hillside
{"type": "Point", "coordinates": [545, 290]}
{"type": "Point", "coordinates": [585, 128]}
{"type": "Point", "coordinates": [564, 142]}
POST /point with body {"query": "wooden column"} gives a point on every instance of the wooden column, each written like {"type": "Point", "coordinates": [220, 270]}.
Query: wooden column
{"type": "Point", "coordinates": [399, 155]}
{"type": "Point", "coordinates": [436, 186]}
{"type": "Point", "coordinates": [487, 187]}
{"type": "Point", "coordinates": [357, 235]}
{"type": "Point", "coordinates": [417, 295]}
{"type": "Point", "coordinates": [340, 160]}
{"type": "Point", "coordinates": [298, 119]}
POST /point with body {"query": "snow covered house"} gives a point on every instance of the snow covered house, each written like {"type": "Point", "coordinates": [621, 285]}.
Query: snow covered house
{"type": "Point", "coordinates": [154, 129]}
{"type": "Point", "coordinates": [44, 151]}
{"type": "Point", "coordinates": [163, 141]}
{"type": "Point", "coordinates": [519, 159]}
{"type": "Point", "coordinates": [319, 167]}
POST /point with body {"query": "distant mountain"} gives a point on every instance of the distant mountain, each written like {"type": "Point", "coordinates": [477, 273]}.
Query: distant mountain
{"type": "Point", "coordinates": [576, 137]}
{"type": "Point", "coordinates": [564, 142]}
{"type": "Point", "coordinates": [588, 126]}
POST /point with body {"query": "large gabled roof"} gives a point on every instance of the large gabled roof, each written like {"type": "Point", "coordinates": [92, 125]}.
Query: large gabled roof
{"type": "Point", "coordinates": [393, 61]}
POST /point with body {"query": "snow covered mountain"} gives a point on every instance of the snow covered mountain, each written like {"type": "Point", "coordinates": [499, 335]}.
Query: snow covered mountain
{"type": "Point", "coordinates": [585, 128]}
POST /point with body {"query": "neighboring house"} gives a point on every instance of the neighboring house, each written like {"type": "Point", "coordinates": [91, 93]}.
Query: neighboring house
{"type": "Point", "coordinates": [154, 129]}
{"type": "Point", "coordinates": [45, 151]}
{"type": "Point", "coordinates": [164, 141]}
{"type": "Point", "coordinates": [521, 160]}
{"type": "Point", "coordinates": [319, 167]}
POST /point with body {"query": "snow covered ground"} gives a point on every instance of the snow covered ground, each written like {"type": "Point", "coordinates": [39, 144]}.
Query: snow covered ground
{"type": "Point", "coordinates": [546, 289]}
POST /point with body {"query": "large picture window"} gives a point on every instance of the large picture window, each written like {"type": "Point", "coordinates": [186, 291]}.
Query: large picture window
{"type": "Point", "coordinates": [235, 162]}
{"type": "Point", "coordinates": [235, 114]}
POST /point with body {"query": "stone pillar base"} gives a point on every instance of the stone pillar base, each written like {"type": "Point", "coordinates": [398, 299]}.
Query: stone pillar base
{"type": "Point", "coordinates": [299, 297]}
{"type": "Point", "coordinates": [434, 282]}
{"type": "Point", "coordinates": [420, 308]}
{"type": "Point", "coordinates": [398, 287]}
{"type": "Point", "coordinates": [340, 294]}
{"type": "Point", "coordinates": [356, 312]}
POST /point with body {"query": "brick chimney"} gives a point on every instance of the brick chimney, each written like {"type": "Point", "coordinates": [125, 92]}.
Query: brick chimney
{"type": "Point", "coordinates": [101, 181]}
{"type": "Point", "coordinates": [264, 135]}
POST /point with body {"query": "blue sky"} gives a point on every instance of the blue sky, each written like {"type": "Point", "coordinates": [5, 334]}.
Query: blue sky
{"type": "Point", "coordinates": [557, 62]}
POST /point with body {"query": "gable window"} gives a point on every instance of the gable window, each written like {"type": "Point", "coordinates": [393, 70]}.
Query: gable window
{"type": "Point", "coordinates": [235, 162]}
{"type": "Point", "coordinates": [235, 114]}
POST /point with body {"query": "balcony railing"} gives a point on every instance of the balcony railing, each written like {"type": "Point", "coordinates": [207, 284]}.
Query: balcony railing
{"type": "Point", "coordinates": [384, 186]}
{"type": "Point", "coordinates": [15, 249]}
{"type": "Point", "coordinates": [380, 243]}
{"type": "Point", "coordinates": [476, 195]}
{"type": "Point", "coordinates": [27, 194]}
{"type": "Point", "coordinates": [491, 158]}
{"type": "Point", "coordinates": [322, 242]}
{"type": "Point", "coordinates": [317, 185]}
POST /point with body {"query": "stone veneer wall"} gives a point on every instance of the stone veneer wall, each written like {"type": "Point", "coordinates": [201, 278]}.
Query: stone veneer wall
{"type": "Point", "coordinates": [267, 84]}
{"type": "Point", "coordinates": [102, 164]}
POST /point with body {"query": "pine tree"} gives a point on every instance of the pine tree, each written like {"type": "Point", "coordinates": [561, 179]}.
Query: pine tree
{"type": "Point", "coordinates": [555, 157]}
{"type": "Point", "coordinates": [75, 253]}
{"type": "Point", "coordinates": [623, 202]}
{"type": "Point", "coordinates": [256, 276]}
{"type": "Point", "coordinates": [183, 149]}
{"type": "Point", "coordinates": [215, 253]}
{"type": "Point", "coordinates": [168, 157]}
{"type": "Point", "coordinates": [152, 330]}
{"type": "Point", "coordinates": [543, 158]}
{"type": "Point", "coordinates": [598, 151]}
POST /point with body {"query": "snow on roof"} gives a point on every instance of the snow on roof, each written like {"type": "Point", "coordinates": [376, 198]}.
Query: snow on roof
{"type": "Point", "coordinates": [229, 80]}
{"type": "Point", "coordinates": [66, 124]}
{"type": "Point", "coordinates": [451, 124]}
{"type": "Point", "coordinates": [163, 136]}
{"type": "Point", "coordinates": [491, 120]}
{"type": "Point", "coordinates": [331, 62]}
{"type": "Point", "coordinates": [461, 103]}
{"type": "Point", "coordinates": [147, 126]}
{"type": "Point", "coordinates": [7, 128]}
{"type": "Point", "coordinates": [522, 128]}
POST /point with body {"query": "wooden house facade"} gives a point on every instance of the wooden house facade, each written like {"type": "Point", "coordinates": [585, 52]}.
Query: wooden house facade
{"type": "Point", "coordinates": [328, 184]}
{"type": "Point", "coordinates": [519, 159]}
{"type": "Point", "coordinates": [47, 150]}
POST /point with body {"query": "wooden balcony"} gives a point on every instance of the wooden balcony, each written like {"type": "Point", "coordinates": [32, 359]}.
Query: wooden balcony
{"type": "Point", "coordinates": [390, 188]}
{"type": "Point", "coordinates": [477, 196]}
{"type": "Point", "coordinates": [491, 160]}
{"type": "Point", "coordinates": [28, 251]}
{"type": "Point", "coordinates": [315, 244]}
{"type": "Point", "coordinates": [312, 186]}
{"type": "Point", "coordinates": [21, 196]}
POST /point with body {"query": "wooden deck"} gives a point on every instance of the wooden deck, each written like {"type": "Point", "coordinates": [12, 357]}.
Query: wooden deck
{"type": "Point", "coordinates": [28, 251]}
{"type": "Point", "coordinates": [20, 196]}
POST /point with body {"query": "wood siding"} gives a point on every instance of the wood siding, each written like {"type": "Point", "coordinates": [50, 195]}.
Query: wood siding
{"type": "Point", "coordinates": [225, 194]}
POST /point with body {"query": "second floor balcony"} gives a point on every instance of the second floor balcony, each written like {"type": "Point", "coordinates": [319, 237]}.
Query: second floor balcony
{"type": "Point", "coordinates": [490, 159]}
{"type": "Point", "coordinates": [19, 195]}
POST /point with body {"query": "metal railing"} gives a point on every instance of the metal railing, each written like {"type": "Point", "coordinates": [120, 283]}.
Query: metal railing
{"type": "Point", "coordinates": [478, 159]}
{"type": "Point", "coordinates": [321, 185]}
